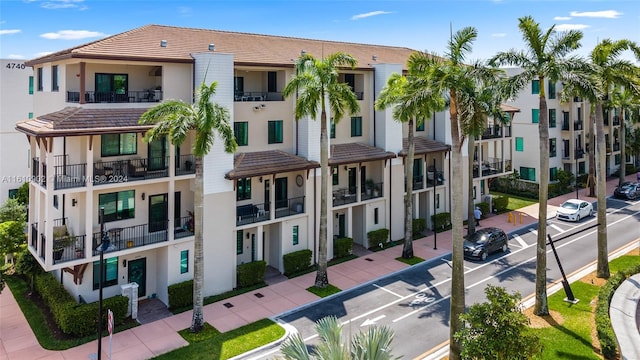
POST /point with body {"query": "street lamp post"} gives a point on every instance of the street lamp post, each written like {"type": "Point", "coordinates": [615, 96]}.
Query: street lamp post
{"type": "Point", "coordinates": [577, 195]}
{"type": "Point", "coordinates": [102, 247]}
{"type": "Point", "coordinates": [435, 177]}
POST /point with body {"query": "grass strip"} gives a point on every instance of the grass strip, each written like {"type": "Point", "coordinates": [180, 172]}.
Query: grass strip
{"type": "Point", "coordinates": [324, 292]}
{"type": "Point", "coordinates": [414, 260]}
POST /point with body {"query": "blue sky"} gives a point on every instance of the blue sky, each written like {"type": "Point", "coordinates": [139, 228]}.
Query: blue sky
{"type": "Point", "coordinates": [30, 28]}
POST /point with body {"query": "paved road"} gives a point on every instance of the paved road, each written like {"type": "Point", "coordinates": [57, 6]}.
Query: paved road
{"type": "Point", "coordinates": [415, 302]}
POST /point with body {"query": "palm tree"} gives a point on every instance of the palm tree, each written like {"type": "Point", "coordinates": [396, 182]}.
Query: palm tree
{"type": "Point", "coordinates": [374, 344]}
{"type": "Point", "coordinates": [545, 58]}
{"type": "Point", "coordinates": [608, 70]}
{"type": "Point", "coordinates": [315, 83]}
{"type": "Point", "coordinates": [412, 99]}
{"type": "Point", "coordinates": [633, 142]}
{"type": "Point", "coordinates": [449, 76]}
{"type": "Point", "coordinates": [625, 100]}
{"type": "Point", "coordinates": [176, 120]}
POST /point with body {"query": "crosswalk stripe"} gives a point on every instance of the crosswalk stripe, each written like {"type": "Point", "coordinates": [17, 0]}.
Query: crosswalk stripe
{"type": "Point", "coordinates": [560, 230]}
{"type": "Point", "coordinates": [534, 232]}
{"type": "Point", "coordinates": [520, 241]}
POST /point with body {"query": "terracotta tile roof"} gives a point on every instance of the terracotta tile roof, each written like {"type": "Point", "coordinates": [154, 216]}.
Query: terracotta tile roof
{"type": "Point", "coordinates": [423, 146]}
{"type": "Point", "coordinates": [82, 121]}
{"type": "Point", "coordinates": [143, 44]}
{"type": "Point", "coordinates": [509, 108]}
{"type": "Point", "coordinates": [356, 153]}
{"type": "Point", "coordinates": [259, 163]}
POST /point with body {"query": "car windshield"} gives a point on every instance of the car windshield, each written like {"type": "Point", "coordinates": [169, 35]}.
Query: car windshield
{"type": "Point", "coordinates": [479, 238]}
{"type": "Point", "coordinates": [626, 187]}
{"type": "Point", "coordinates": [569, 205]}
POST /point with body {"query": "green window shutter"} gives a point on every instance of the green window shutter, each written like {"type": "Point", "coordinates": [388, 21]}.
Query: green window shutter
{"type": "Point", "coordinates": [30, 85]}
{"type": "Point", "coordinates": [30, 115]}
{"type": "Point", "coordinates": [535, 115]}
{"type": "Point", "coordinates": [552, 90]}
{"type": "Point", "coordinates": [336, 179]}
{"type": "Point", "coordinates": [241, 132]}
{"type": "Point", "coordinates": [552, 118]}
{"type": "Point", "coordinates": [295, 235]}
{"type": "Point", "coordinates": [553, 173]}
{"type": "Point", "coordinates": [275, 132]}
{"type": "Point", "coordinates": [552, 147]}
{"type": "Point", "coordinates": [239, 239]}
{"type": "Point", "coordinates": [184, 261]}
{"type": "Point", "coordinates": [356, 126]}
{"type": "Point", "coordinates": [519, 144]}
{"type": "Point", "coordinates": [333, 129]}
{"type": "Point", "coordinates": [535, 87]}
{"type": "Point", "coordinates": [420, 127]}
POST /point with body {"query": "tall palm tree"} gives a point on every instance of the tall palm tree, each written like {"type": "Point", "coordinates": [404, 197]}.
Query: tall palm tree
{"type": "Point", "coordinates": [374, 344]}
{"type": "Point", "coordinates": [608, 70]}
{"type": "Point", "coordinates": [545, 58]}
{"type": "Point", "coordinates": [316, 83]}
{"type": "Point", "coordinates": [176, 119]}
{"type": "Point", "coordinates": [412, 98]}
{"type": "Point", "coordinates": [450, 75]}
{"type": "Point", "coordinates": [627, 101]}
{"type": "Point", "coordinates": [633, 142]}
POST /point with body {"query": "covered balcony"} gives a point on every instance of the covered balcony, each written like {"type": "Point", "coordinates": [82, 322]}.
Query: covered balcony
{"type": "Point", "coordinates": [491, 166]}
{"type": "Point", "coordinates": [122, 238]}
{"type": "Point", "coordinates": [133, 169]}
{"type": "Point", "coordinates": [252, 85]}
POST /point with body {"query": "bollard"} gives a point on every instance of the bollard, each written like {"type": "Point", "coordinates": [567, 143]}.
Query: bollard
{"type": "Point", "coordinates": [509, 217]}
{"type": "Point", "coordinates": [520, 218]}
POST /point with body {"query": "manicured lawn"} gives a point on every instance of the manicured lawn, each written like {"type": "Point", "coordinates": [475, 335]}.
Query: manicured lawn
{"type": "Point", "coordinates": [414, 260]}
{"type": "Point", "coordinates": [328, 290]}
{"type": "Point", "coordinates": [515, 202]}
{"type": "Point", "coordinates": [213, 345]}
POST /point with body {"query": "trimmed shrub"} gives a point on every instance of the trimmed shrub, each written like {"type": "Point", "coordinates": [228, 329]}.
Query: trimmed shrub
{"type": "Point", "coordinates": [500, 203]}
{"type": "Point", "coordinates": [418, 226]}
{"type": "Point", "coordinates": [251, 273]}
{"type": "Point", "coordinates": [484, 207]}
{"type": "Point", "coordinates": [296, 261]}
{"type": "Point", "coordinates": [628, 170]}
{"type": "Point", "coordinates": [377, 237]}
{"type": "Point", "coordinates": [181, 294]}
{"type": "Point", "coordinates": [441, 221]}
{"type": "Point", "coordinates": [343, 247]}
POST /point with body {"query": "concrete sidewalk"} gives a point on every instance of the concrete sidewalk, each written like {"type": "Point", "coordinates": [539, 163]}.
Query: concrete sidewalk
{"type": "Point", "coordinates": [17, 341]}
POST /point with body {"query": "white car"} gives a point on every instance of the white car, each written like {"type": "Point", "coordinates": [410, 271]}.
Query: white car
{"type": "Point", "coordinates": [574, 210]}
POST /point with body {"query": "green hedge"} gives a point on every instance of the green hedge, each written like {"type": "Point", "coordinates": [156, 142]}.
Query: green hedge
{"type": "Point", "coordinates": [343, 247]}
{"type": "Point", "coordinates": [251, 273]}
{"type": "Point", "coordinates": [628, 170]}
{"type": "Point", "coordinates": [500, 203]}
{"type": "Point", "coordinates": [181, 294]}
{"type": "Point", "coordinates": [607, 337]}
{"type": "Point", "coordinates": [73, 318]}
{"type": "Point", "coordinates": [377, 237]}
{"type": "Point", "coordinates": [441, 221]}
{"type": "Point", "coordinates": [484, 208]}
{"type": "Point", "coordinates": [296, 261]}
{"type": "Point", "coordinates": [418, 226]}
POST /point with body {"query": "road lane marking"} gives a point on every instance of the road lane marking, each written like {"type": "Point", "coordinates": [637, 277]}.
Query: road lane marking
{"type": "Point", "coordinates": [373, 321]}
{"type": "Point", "coordinates": [520, 241]}
{"type": "Point", "coordinates": [387, 290]}
{"type": "Point", "coordinates": [534, 231]}
{"type": "Point", "coordinates": [558, 228]}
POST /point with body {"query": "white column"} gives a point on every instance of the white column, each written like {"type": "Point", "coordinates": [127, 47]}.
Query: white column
{"type": "Point", "coordinates": [259, 231]}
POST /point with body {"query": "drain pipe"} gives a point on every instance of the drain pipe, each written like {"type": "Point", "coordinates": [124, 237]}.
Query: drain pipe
{"type": "Point", "coordinates": [315, 216]}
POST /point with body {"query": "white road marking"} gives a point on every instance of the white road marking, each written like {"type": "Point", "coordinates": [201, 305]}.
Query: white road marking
{"type": "Point", "coordinates": [373, 321]}
{"type": "Point", "coordinates": [534, 232]}
{"type": "Point", "coordinates": [387, 290]}
{"type": "Point", "coordinates": [520, 241]}
{"type": "Point", "coordinates": [560, 230]}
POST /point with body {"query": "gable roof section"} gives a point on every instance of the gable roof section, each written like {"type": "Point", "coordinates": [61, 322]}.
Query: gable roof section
{"type": "Point", "coordinates": [82, 121]}
{"type": "Point", "coordinates": [143, 44]}
{"type": "Point", "coordinates": [356, 153]}
{"type": "Point", "coordinates": [259, 163]}
{"type": "Point", "coordinates": [423, 146]}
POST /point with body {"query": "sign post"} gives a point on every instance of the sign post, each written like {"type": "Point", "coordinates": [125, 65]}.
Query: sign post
{"type": "Point", "coordinates": [110, 329]}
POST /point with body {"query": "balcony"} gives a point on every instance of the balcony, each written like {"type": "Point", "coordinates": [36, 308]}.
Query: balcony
{"type": "Point", "coordinates": [344, 196]}
{"type": "Point", "coordinates": [183, 227]}
{"type": "Point", "coordinates": [258, 96]}
{"type": "Point", "coordinates": [374, 190]}
{"type": "Point", "coordinates": [418, 182]}
{"type": "Point", "coordinates": [288, 207]}
{"type": "Point", "coordinates": [434, 176]}
{"type": "Point", "coordinates": [70, 176]}
{"type": "Point", "coordinates": [132, 236]}
{"type": "Point", "coordinates": [67, 248]}
{"type": "Point", "coordinates": [492, 132]}
{"type": "Point", "coordinates": [579, 153]}
{"type": "Point", "coordinates": [616, 146]}
{"type": "Point", "coordinates": [565, 125]}
{"type": "Point", "coordinates": [489, 167]}
{"type": "Point", "coordinates": [577, 125]}
{"type": "Point", "coordinates": [138, 96]}
{"type": "Point", "coordinates": [118, 171]}
{"type": "Point", "coordinates": [252, 213]}
{"type": "Point", "coordinates": [186, 165]}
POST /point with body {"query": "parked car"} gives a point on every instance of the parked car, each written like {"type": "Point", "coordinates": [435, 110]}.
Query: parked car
{"type": "Point", "coordinates": [484, 242]}
{"type": "Point", "coordinates": [574, 210]}
{"type": "Point", "coordinates": [628, 191]}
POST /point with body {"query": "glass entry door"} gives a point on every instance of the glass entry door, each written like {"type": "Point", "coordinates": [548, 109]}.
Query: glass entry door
{"type": "Point", "coordinates": [158, 153]}
{"type": "Point", "coordinates": [158, 212]}
{"type": "Point", "coordinates": [281, 193]}
{"type": "Point", "coordinates": [137, 272]}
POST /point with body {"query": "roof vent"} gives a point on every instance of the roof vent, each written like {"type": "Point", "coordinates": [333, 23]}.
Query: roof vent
{"type": "Point", "coordinates": [212, 47]}
{"type": "Point", "coordinates": [163, 43]}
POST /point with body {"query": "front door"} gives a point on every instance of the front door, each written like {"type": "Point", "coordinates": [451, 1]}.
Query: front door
{"type": "Point", "coordinates": [352, 180]}
{"type": "Point", "coordinates": [138, 274]}
{"type": "Point", "coordinates": [158, 212]}
{"type": "Point", "coordinates": [267, 196]}
{"type": "Point", "coordinates": [341, 225]}
{"type": "Point", "coordinates": [281, 193]}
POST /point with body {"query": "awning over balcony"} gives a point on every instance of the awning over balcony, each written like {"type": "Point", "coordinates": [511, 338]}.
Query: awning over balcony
{"type": "Point", "coordinates": [423, 146]}
{"type": "Point", "coordinates": [72, 121]}
{"type": "Point", "coordinates": [261, 163]}
{"type": "Point", "coordinates": [357, 153]}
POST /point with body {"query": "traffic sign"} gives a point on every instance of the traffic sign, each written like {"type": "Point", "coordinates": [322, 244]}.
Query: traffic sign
{"type": "Point", "coordinates": [110, 321]}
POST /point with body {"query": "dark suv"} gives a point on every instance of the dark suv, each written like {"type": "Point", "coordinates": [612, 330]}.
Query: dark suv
{"type": "Point", "coordinates": [484, 242]}
{"type": "Point", "coordinates": [628, 190]}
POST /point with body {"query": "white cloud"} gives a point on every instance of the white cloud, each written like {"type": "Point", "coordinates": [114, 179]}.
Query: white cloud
{"type": "Point", "coordinates": [562, 18]}
{"type": "Point", "coordinates": [16, 56]}
{"type": "Point", "coordinates": [185, 10]}
{"type": "Point", "coordinates": [9, 32]}
{"type": "Point", "coordinates": [72, 35]}
{"type": "Point", "coordinates": [498, 35]}
{"type": "Point", "coordinates": [43, 53]}
{"type": "Point", "coordinates": [607, 14]}
{"type": "Point", "coordinates": [369, 14]}
{"type": "Point", "coordinates": [567, 27]}
{"type": "Point", "coordinates": [64, 4]}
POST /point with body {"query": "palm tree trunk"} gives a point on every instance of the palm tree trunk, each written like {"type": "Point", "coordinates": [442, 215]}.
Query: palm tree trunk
{"type": "Point", "coordinates": [602, 270]}
{"type": "Point", "coordinates": [591, 179]}
{"type": "Point", "coordinates": [541, 306]}
{"type": "Point", "coordinates": [623, 154]}
{"type": "Point", "coordinates": [322, 280]}
{"type": "Point", "coordinates": [407, 249]}
{"type": "Point", "coordinates": [197, 322]}
{"type": "Point", "coordinates": [457, 258]}
{"type": "Point", "coordinates": [471, 218]}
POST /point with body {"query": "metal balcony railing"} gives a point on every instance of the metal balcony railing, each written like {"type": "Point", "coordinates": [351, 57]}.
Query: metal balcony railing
{"type": "Point", "coordinates": [252, 213]}
{"type": "Point", "coordinates": [186, 165]}
{"type": "Point", "coordinates": [288, 207]}
{"type": "Point", "coordinates": [118, 171]}
{"type": "Point", "coordinates": [135, 96]}
{"type": "Point", "coordinates": [577, 125]}
{"type": "Point", "coordinates": [70, 176]}
{"type": "Point", "coordinates": [579, 153]}
{"type": "Point", "coordinates": [258, 96]}
{"type": "Point", "coordinates": [374, 190]}
{"type": "Point", "coordinates": [132, 236]}
{"type": "Point", "coordinates": [418, 182]}
{"type": "Point", "coordinates": [489, 167]}
{"type": "Point", "coordinates": [183, 227]}
{"type": "Point", "coordinates": [565, 125]}
{"type": "Point", "coordinates": [344, 196]}
{"type": "Point", "coordinates": [68, 248]}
